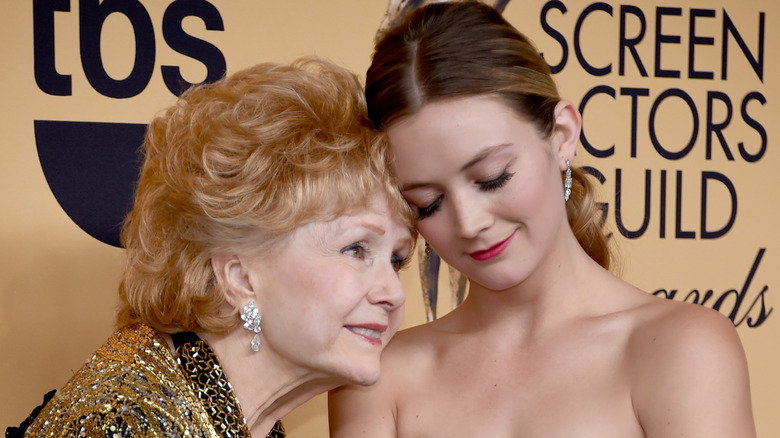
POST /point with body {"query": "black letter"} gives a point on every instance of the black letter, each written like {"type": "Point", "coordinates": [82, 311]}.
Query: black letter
{"type": "Point", "coordinates": [557, 36]}
{"type": "Point", "coordinates": [46, 76]}
{"type": "Point", "coordinates": [739, 296]}
{"type": "Point", "coordinates": [651, 123]}
{"type": "Point", "coordinates": [709, 41]}
{"type": "Point", "coordinates": [669, 295]}
{"type": "Point", "coordinates": [93, 14]}
{"type": "Point", "coordinates": [763, 314]}
{"type": "Point", "coordinates": [679, 232]}
{"type": "Point", "coordinates": [662, 209]}
{"type": "Point", "coordinates": [697, 298]}
{"type": "Point", "coordinates": [603, 206]}
{"type": "Point", "coordinates": [634, 93]}
{"type": "Point", "coordinates": [705, 177]}
{"type": "Point", "coordinates": [599, 153]}
{"type": "Point", "coordinates": [661, 38]}
{"type": "Point", "coordinates": [578, 51]}
{"type": "Point", "coordinates": [718, 127]}
{"type": "Point", "coordinates": [755, 95]}
{"type": "Point", "coordinates": [619, 210]}
{"type": "Point", "coordinates": [729, 28]}
{"type": "Point", "coordinates": [630, 43]}
{"type": "Point", "coordinates": [188, 45]}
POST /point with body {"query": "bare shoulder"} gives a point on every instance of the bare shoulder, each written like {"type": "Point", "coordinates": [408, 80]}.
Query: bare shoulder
{"type": "Point", "coordinates": [688, 372]}
{"type": "Point", "coordinates": [419, 343]}
{"type": "Point", "coordinates": [372, 410]}
{"type": "Point", "coordinates": [683, 333]}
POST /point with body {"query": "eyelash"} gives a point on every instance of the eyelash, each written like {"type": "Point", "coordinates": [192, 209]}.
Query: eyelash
{"type": "Point", "coordinates": [397, 261]}
{"type": "Point", "coordinates": [358, 247]}
{"type": "Point", "coordinates": [485, 186]}
{"type": "Point", "coordinates": [496, 183]}
{"type": "Point", "coordinates": [423, 212]}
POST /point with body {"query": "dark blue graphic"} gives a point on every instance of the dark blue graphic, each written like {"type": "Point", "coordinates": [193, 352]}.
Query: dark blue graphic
{"type": "Point", "coordinates": [91, 168]}
{"type": "Point", "coordinates": [92, 19]}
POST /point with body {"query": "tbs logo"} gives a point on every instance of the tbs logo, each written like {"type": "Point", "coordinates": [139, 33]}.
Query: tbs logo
{"type": "Point", "coordinates": [92, 167]}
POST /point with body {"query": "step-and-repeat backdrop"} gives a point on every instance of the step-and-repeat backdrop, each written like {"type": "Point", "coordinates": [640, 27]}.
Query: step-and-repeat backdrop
{"type": "Point", "coordinates": [679, 101]}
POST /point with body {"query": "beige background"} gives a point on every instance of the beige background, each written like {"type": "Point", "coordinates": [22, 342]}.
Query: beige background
{"type": "Point", "coordinates": [58, 285]}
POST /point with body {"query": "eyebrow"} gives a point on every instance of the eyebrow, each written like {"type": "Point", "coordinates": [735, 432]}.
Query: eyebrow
{"type": "Point", "coordinates": [381, 231]}
{"type": "Point", "coordinates": [375, 228]}
{"type": "Point", "coordinates": [484, 153]}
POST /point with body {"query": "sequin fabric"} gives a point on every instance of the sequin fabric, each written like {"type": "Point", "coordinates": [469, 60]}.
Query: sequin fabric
{"type": "Point", "coordinates": [133, 386]}
{"type": "Point", "coordinates": [202, 369]}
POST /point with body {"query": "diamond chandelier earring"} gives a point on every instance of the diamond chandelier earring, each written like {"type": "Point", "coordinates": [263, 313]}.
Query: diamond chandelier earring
{"type": "Point", "coordinates": [567, 182]}
{"type": "Point", "coordinates": [250, 314]}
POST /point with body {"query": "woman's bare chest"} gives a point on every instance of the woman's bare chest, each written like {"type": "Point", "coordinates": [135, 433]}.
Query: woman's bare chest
{"type": "Point", "coordinates": [561, 391]}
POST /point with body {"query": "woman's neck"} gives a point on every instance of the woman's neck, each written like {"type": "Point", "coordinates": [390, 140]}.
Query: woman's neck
{"type": "Point", "coordinates": [266, 387]}
{"type": "Point", "coordinates": [557, 291]}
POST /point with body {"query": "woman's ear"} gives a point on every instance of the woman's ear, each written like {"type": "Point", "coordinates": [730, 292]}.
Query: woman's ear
{"type": "Point", "coordinates": [233, 276]}
{"type": "Point", "coordinates": [566, 132]}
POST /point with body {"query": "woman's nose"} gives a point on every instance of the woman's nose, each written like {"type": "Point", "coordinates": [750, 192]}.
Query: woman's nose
{"type": "Point", "coordinates": [470, 217]}
{"type": "Point", "coordinates": [387, 290]}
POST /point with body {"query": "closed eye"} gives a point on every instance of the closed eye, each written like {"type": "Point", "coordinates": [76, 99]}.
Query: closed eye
{"type": "Point", "coordinates": [496, 183]}
{"type": "Point", "coordinates": [399, 262]}
{"type": "Point", "coordinates": [424, 212]}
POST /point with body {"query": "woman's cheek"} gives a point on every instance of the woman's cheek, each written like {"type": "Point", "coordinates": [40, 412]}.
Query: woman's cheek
{"type": "Point", "coordinates": [431, 232]}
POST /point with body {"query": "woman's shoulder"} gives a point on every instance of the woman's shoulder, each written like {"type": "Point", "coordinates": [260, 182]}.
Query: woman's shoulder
{"type": "Point", "coordinates": [654, 325]}
{"type": "Point", "coordinates": [662, 335]}
{"type": "Point", "coordinates": [414, 345]}
{"type": "Point", "coordinates": [689, 357]}
{"type": "Point", "coordinates": [130, 379]}
{"type": "Point", "coordinates": [663, 325]}
{"type": "Point", "coordinates": [426, 342]}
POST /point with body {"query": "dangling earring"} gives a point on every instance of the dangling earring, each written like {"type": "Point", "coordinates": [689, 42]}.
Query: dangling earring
{"type": "Point", "coordinates": [567, 182]}
{"type": "Point", "coordinates": [251, 316]}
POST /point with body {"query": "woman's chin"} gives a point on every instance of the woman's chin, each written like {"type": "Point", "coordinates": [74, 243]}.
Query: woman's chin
{"type": "Point", "coordinates": [364, 376]}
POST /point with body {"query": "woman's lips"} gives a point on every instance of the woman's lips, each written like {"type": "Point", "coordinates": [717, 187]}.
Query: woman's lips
{"type": "Point", "coordinates": [370, 332]}
{"type": "Point", "coordinates": [493, 251]}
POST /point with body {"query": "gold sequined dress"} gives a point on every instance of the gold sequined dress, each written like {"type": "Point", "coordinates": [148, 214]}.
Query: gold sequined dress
{"type": "Point", "coordinates": [133, 386]}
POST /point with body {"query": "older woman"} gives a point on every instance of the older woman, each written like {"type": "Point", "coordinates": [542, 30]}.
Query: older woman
{"type": "Point", "coordinates": [262, 257]}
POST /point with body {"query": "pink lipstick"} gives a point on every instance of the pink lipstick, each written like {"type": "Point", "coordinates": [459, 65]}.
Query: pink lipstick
{"type": "Point", "coordinates": [370, 332]}
{"type": "Point", "coordinates": [493, 251]}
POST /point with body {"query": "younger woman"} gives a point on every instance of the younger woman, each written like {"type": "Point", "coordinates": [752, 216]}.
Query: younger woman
{"type": "Point", "coordinates": [548, 342]}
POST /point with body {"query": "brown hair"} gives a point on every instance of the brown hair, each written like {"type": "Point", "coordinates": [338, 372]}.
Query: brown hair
{"type": "Point", "coordinates": [237, 165]}
{"type": "Point", "coordinates": [446, 50]}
